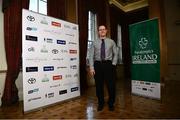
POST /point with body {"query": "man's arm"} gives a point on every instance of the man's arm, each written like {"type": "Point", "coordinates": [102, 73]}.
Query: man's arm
{"type": "Point", "coordinates": [91, 59]}
{"type": "Point", "coordinates": [115, 54]}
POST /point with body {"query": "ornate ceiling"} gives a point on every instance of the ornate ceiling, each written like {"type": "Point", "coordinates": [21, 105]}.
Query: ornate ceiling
{"type": "Point", "coordinates": [126, 2]}
{"type": "Point", "coordinates": [129, 5]}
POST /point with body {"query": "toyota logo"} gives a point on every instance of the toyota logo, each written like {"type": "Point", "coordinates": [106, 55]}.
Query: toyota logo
{"type": "Point", "coordinates": [55, 51]}
{"type": "Point", "coordinates": [31, 80]}
{"type": "Point", "coordinates": [31, 49]}
{"type": "Point", "coordinates": [30, 18]}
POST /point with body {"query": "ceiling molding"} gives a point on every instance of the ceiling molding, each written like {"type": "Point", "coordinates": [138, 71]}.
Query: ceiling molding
{"type": "Point", "coordinates": [130, 6]}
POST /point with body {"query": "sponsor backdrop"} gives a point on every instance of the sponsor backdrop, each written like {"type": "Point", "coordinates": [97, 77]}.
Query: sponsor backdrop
{"type": "Point", "coordinates": [145, 53]}
{"type": "Point", "coordinates": [50, 60]}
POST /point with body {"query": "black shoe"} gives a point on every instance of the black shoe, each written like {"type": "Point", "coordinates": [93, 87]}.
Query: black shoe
{"type": "Point", "coordinates": [111, 108]}
{"type": "Point", "coordinates": [100, 108]}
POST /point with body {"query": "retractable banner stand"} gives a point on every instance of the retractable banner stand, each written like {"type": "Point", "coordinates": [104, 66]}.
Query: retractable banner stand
{"type": "Point", "coordinates": [145, 55]}
{"type": "Point", "coordinates": [50, 60]}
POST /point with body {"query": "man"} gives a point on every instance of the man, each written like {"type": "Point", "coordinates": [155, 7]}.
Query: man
{"type": "Point", "coordinates": [103, 58]}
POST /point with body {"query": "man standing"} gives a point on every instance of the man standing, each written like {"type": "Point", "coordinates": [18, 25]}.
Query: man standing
{"type": "Point", "coordinates": [103, 59]}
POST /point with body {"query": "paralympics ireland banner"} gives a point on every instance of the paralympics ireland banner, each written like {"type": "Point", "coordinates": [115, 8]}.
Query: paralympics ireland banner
{"type": "Point", "coordinates": [145, 55]}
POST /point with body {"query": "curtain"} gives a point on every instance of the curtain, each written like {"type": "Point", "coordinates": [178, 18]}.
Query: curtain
{"type": "Point", "coordinates": [99, 7]}
{"type": "Point", "coordinates": [83, 39]}
{"type": "Point", "coordinates": [56, 8]}
{"type": "Point", "coordinates": [5, 4]}
{"type": "Point", "coordinates": [13, 47]}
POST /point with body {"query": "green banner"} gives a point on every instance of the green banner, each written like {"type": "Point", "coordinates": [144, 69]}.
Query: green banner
{"type": "Point", "coordinates": [145, 51]}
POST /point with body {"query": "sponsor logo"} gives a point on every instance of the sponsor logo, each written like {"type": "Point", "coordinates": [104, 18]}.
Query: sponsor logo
{"type": "Point", "coordinates": [61, 67]}
{"type": "Point", "coordinates": [31, 28]}
{"type": "Point", "coordinates": [74, 89]}
{"type": "Point", "coordinates": [141, 82]}
{"type": "Point", "coordinates": [55, 32]}
{"type": "Point", "coordinates": [30, 18]}
{"type": "Point", "coordinates": [53, 86]}
{"type": "Point", "coordinates": [48, 68]}
{"type": "Point", "coordinates": [151, 90]}
{"type": "Point", "coordinates": [72, 35]}
{"type": "Point", "coordinates": [134, 81]}
{"type": "Point", "coordinates": [31, 69]}
{"type": "Point", "coordinates": [31, 38]}
{"type": "Point", "coordinates": [57, 77]}
{"type": "Point", "coordinates": [49, 95]}
{"type": "Point", "coordinates": [68, 76]}
{"type": "Point", "coordinates": [55, 51]}
{"type": "Point", "coordinates": [32, 91]}
{"type": "Point", "coordinates": [57, 24]}
{"type": "Point", "coordinates": [73, 51]}
{"type": "Point", "coordinates": [63, 51]}
{"type": "Point", "coordinates": [76, 75]}
{"type": "Point", "coordinates": [32, 99]}
{"type": "Point", "coordinates": [70, 83]}
{"type": "Point", "coordinates": [74, 28]}
{"type": "Point", "coordinates": [36, 59]}
{"type": "Point", "coordinates": [145, 89]}
{"type": "Point", "coordinates": [58, 59]}
{"type": "Point", "coordinates": [31, 49]}
{"type": "Point", "coordinates": [147, 83]}
{"type": "Point", "coordinates": [45, 78]}
{"type": "Point", "coordinates": [138, 88]}
{"type": "Point", "coordinates": [48, 40]}
{"type": "Point", "coordinates": [137, 85]}
{"type": "Point", "coordinates": [72, 59]}
{"type": "Point", "coordinates": [154, 84]}
{"type": "Point", "coordinates": [67, 26]}
{"type": "Point", "coordinates": [44, 50]}
{"type": "Point", "coordinates": [73, 43]}
{"type": "Point", "coordinates": [44, 21]}
{"type": "Point", "coordinates": [73, 66]}
{"type": "Point", "coordinates": [63, 42]}
{"type": "Point", "coordinates": [62, 92]}
{"type": "Point", "coordinates": [31, 80]}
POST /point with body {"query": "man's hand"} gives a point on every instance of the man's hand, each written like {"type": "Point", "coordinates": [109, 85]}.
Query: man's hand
{"type": "Point", "coordinates": [92, 72]}
{"type": "Point", "coordinates": [114, 67]}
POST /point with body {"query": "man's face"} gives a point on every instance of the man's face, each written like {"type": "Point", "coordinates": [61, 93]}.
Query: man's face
{"type": "Point", "coordinates": [102, 31]}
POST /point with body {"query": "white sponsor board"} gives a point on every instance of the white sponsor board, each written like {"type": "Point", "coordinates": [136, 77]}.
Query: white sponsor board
{"type": "Point", "coordinates": [145, 88]}
{"type": "Point", "coordinates": [50, 50]}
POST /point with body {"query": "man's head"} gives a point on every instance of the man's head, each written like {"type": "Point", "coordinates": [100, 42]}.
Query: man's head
{"type": "Point", "coordinates": [102, 31]}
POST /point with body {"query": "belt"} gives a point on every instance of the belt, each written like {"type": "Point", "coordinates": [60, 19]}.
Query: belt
{"type": "Point", "coordinates": [103, 61]}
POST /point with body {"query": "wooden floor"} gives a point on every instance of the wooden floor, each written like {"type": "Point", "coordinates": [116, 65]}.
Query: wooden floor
{"type": "Point", "coordinates": [127, 106]}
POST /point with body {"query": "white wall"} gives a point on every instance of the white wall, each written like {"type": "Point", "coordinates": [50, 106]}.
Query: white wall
{"type": "Point", "coordinates": [3, 66]}
{"type": "Point", "coordinates": [19, 85]}
{"type": "Point", "coordinates": [2, 82]}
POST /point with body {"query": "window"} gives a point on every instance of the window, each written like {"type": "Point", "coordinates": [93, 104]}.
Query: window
{"type": "Point", "coordinates": [39, 6]}
{"type": "Point", "coordinates": [92, 28]}
{"type": "Point", "coordinates": [92, 31]}
{"type": "Point", "coordinates": [119, 44]}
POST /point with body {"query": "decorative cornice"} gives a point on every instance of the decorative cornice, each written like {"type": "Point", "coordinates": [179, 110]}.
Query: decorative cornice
{"type": "Point", "coordinates": [130, 6]}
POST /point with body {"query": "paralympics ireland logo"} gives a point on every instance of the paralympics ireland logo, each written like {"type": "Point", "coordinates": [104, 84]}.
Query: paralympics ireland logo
{"type": "Point", "coordinates": [143, 43]}
{"type": "Point", "coordinates": [144, 55]}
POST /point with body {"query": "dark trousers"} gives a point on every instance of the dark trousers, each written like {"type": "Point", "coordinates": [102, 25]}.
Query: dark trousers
{"type": "Point", "coordinates": [104, 72]}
